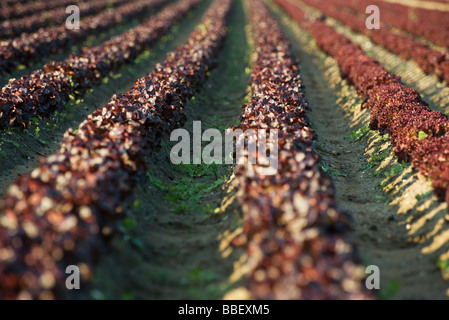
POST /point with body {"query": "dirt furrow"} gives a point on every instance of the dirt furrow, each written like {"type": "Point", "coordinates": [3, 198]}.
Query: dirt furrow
{"type": "Point", "coordinates": [186, 215]}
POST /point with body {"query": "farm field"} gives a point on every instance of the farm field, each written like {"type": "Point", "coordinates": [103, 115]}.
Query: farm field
{"type": "Point", "coordinates": [118, 181]}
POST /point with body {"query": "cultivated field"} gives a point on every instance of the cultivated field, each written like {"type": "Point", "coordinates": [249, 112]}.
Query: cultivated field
{"type": "Point", "coordinates": [118, 181]}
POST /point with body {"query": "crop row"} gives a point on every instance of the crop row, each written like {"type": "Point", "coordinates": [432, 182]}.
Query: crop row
{"type": "Point", "coordinates": [298, 240]}
{"type": "Point", "coordinates": [433, 16]}
{"type": "Point", "coordinates": [418, 134]}
{"type": "Point", "coordinates": [440, 1]}
{"type": "Point", "coordinates": [15, 27]}
{"type": "Point", "coordinates": [433, 25]}
{"type": "Point", "coordinates": [58, 215]}
{"type": "Point", "coordinates": [429, 60]}
{"type": "Point", "coordinates": [44, 91]}
{"type": "Point", "coordinates": [11, 3]}
{"type": "Point", "coordinates": [32, 47]}
{"type": "Point", "coordinates": [23, 9]}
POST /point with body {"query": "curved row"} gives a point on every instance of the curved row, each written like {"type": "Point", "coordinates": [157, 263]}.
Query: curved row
{"type": "Point", "coordinates": [32, 47]}
{"type": "Point", "coordinates": [58, 215]}
{"type": "Point", "coordinates": [44, 91]}
{"type": "Point", "coordinates": [21, 9]}
{"type": "Point", "coordinates": [440, 1]}
{"type": "Point", "coordinates": [418, 134]}
{"type": "Point", "coordinates": [16, 27]}
{"type": "Point", "coordinates": [10, 3]}
{"type": "Point", "coordinates": [433, 16]}
{"type": "Point", "coordinates": [429, 60]}
{"type": "Point", "coordinates": [432, 25]}
{"type": "Point", "coordinates": [299, 244]}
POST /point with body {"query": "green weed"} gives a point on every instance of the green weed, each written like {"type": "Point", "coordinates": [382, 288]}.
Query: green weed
{"type": "Point", "coordinates": [332, 172]}
{"type": "Point", "coordinates": [360, 133]}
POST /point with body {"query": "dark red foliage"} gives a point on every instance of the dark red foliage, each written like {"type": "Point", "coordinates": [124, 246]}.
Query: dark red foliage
{"type": "Point", "coordinates": [15, 27]}
{"type": "Point", "coordinates": [406, 126]}
{"type": "Point", "coordinates": [292, 224]}
{"type": "Point", "coordinates": [60, 213]}
{"type": "Point", "coordinates": [407, 47]}
{"type": "Point", "coordinates": [32, 47]}
{"type": "Point", "coordinates": [394, 108]}
{"type": "Point", "coordinates": [42, 92]}
{"type": "Point", "coordinates": [20, 9]}
{"type": "Point", "coordinates": [429, 24]}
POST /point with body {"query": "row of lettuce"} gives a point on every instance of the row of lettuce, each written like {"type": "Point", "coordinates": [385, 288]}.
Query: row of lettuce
{"type": "Point", "coordinates": [42, 92]}
{"type": "Point", "coordinates": [15, 27]}
{"type": "Point", "coordinates": [417, 133]}
{"type": "Point", "coordinates": [64, 211]}
{"type": "Point", "coordinates": [298, 241]}
{"type": "Point", "coordinates": [29, 48]}
{"type": "Point", "coordinates": [431, 25]}
{"type": "Point", "coordinates": [430, 60]}
{"type": "Point", "coordinates": [21, 9]}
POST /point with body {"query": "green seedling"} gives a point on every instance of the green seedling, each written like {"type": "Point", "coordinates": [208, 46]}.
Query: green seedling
{"type": "Point", "coordinates": [421, 196]}
{"type": "Point", "coordinates": [368, 165]}
{"type": "Point", "coordinates": [127, 296]}
{"type": "Point", "coordinates": [378, 158]}
{"type": "Point", "coordinates": [197, 277]}
{"type": "Point", "coordinates": [360, 133]}
{"type": "Point", "coordinates": [198, 170]}
{"type": "Point", "coordinates": [444, 267]}
{"type": "Point", "coordinates": [388, 292]}
{"type": "Point", "coordinates": [15, 144]}
{"type": "Point", "coordinates": [332, 172]}
{"type": "Point", "coordinates": [156, 182]}
{"type": "Point", "coordinates": [397, 169]}
{"type": "Point", "coordinates": [35, 120]}
{"type": "Point", "coordinates": [128, 224]}
{"type": "Point", "coordinates": [137, 204]}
